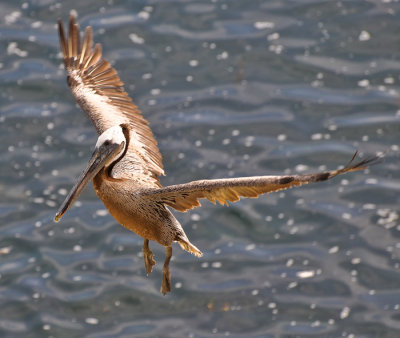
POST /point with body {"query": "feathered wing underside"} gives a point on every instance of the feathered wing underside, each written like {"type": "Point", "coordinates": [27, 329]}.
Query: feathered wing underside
{"type": "Point", "coordinates": [183, 197]}
{"type": "Point", "coordinates": [99, 91]}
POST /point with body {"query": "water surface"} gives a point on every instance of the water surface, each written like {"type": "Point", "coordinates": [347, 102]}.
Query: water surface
{"type": "Point", "coordinates": [230, 88]}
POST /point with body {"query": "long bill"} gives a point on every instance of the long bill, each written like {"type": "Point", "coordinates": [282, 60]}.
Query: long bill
{"type": "Point", "coordinates": [98, 160]}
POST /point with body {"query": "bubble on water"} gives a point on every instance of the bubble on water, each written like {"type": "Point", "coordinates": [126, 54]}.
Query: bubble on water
{"type": "Point", "coordinates": [277, 49]}
{"type": "Point", "coordinates": [364, 36]}
{"type": "Point", "coordinates": [5, 250]}
{"type": "Point", "coordinates": [388, 80]}
{"type": "Point", "coordinates": [250, 247]}
{"type": "Point", "coordinates": [12, 48]}
{"type": "Point", "coordinates": [334, 249]}
{"type": "Point", "coordinates": [264, 24]}
{"type": "Point", "coordinates": [281, 137]}
{"type": "Point", "coordinates": [345, 312]}
{"type": "Point", "coordinates": [195, 217]}
{"type": "Point", "coordinates": [77, 248]}
{"type": "Point", "coordinates": [92, 321]}
{"type": "Point", "coordinates": [136, 39]}
{"type": "Point", "coordinates": [301, 168]}
{"type": "Point", "coordinates": [144, 15]}
{"type": "Point", "coordinates": [344, 181]}
{"type": "Point", "coordinates": [273, 36]}
{"type": "Point", "coordinates": [12, 17]}
{"type": "Point", "coordinates": [316, 323]}
{"type": "Point", "coordinates": [305, 274]}
{"type": "Point", "coordinates": [223, 56]}
{"type": "Point", "coordinates": [363, 83]}
{"type": "Point", "coordinates": [289, 262]}
{"type": "Point", "coordinates": [51, 203]}
{"type": "Point", "coordinates": [62, 192]}
{"type": "Point", "coordinates": [46, 275]}
{"type": "Point", "coordinates": [316, 137]}
{"type": "Point", "coordinates": [216, 265]}
{"type": "Point", "coordinates": [371, 181]}
{"type": "Point", "coordinates": [249, 141]}
{"type": "Point", "coordinates": [101, 212]}
{"type": "Point", "coordinates": [36, 24]}
{"type": "Point", "coordinates": [387, 217]}
{"type": "Point", "coordinates": [369, 206]}
{"type": "Point", "coordinates": [155, 91]}
{"type": "Point", "coordinates": [346, 215]}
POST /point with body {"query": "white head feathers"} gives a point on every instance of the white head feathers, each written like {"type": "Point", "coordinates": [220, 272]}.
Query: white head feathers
{"type": "Point", "coordinates": [113, 135]}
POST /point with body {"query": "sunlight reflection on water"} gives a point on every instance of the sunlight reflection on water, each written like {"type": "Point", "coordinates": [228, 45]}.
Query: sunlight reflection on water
{"type": "Point", "coordinates": [229, 88]}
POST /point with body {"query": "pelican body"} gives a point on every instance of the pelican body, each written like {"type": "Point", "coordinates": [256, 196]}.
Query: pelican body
{"type": "Point", "coordinates": [126, 163]}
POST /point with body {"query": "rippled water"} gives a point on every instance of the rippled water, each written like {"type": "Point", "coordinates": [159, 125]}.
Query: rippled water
{"type": "Point", "coordinates": [231, 88]}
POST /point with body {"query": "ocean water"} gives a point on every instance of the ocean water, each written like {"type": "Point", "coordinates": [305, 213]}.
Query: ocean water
{"type": "Point", "coordinates": [230, 88]}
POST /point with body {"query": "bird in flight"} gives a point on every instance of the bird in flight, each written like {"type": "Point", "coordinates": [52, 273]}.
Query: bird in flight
{"type": "Point", "coordinates": [126, 163]}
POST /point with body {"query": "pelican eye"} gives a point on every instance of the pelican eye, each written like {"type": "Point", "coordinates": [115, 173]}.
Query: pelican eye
{"type": "Point", "coordinates": [107, 143]}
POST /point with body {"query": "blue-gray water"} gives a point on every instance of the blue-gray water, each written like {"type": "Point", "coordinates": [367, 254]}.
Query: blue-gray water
{"type": "Point", "coordinates": [231, 88]}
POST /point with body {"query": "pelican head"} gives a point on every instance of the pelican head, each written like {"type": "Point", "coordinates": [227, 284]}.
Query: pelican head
{"type": "Point", "coordinates": [110, 147]}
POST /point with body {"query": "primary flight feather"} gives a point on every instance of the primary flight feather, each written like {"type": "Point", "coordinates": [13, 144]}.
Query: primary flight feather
{"type": "Point", "coordinates": [126, 163]}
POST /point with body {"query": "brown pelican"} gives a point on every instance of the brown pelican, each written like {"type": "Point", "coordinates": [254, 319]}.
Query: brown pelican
{"type": "Point", "coordinates": [126, 163]}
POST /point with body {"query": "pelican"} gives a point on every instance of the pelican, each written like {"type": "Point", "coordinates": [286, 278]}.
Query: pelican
{"type": "Point", "coordinates": [126, 164]}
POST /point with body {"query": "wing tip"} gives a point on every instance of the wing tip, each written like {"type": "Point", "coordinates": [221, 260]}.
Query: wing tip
{"type": "Point", "coordinates": [70, 41]}
{"type": "Point", "coordinates": [351, 166]}
{"type": "Point", "coordinates": [363, 164]}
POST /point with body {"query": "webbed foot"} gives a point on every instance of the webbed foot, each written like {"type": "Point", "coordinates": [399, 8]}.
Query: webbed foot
{"type": "Point", "coordinates": [148, 257]}
{"type": "Point", "coordinates": [166, 278]}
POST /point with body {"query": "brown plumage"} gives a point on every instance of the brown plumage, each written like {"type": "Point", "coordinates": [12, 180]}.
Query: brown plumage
{"type": "Point", "coordinates": [126, 164]}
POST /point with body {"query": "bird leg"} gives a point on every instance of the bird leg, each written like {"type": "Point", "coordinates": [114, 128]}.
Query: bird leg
{"type": "Point", "coordinates": [148, 257]}
{"type": "Point", "coordinates": [166, 276]}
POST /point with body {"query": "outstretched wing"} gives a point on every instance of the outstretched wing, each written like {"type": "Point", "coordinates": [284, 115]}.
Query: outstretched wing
{"type": "Point", "coordinates": [183, 197]}
{"type": "Point", "coordinates": [99, 91]}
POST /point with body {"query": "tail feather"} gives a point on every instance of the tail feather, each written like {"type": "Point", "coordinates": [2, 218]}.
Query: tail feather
{"type": "Point", "coordinates": [189, 247]}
